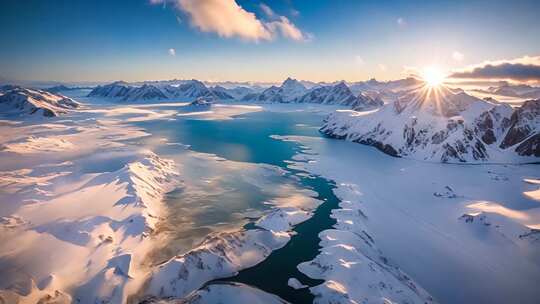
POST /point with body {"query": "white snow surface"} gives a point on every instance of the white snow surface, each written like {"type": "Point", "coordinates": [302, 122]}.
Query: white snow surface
{"type": "Point", "coordinates": [220, 255]}
{"type": "Point", "coordinates": [226, 293]}
{"type": "Point", "coordinates": [94, 229]}
{"type": "Point", "coordinates": [438, 222]}
{"type": "Point", "coordinates": [294, 283]}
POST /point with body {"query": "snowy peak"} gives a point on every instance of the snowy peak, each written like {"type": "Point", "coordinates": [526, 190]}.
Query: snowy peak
{"type": "Point", "coordinates": [146, 92]}
{"type": "Point", "coordinates": [293, 86]}
{"type": "Point", "coordinates": [112, 90]}
{"type": "Point", "coordinates": [441, 101]}
{"type": "Point", "coordinates": [188, 90]}
{"type": "Point", "coordinates": [24, 101]}
{"type": "Point", "coordinates": [339, 94]}
{"type": "Point", "coordinates": [233, 93]}
{"type": "Point", "coordinates": [289, 90]}
{"type": "Point", "coordinates": [445, 125]}
{"type": "Point", "coordinates": [293, 91]}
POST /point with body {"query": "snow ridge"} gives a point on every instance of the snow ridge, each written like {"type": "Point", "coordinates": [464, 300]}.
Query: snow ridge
{"type": "Point", "coordinates": [444, 125]}
{"type": "Point", "coordinates": [25, 101]}
{"type": "Point", "coordinates": [293, 91]}
{"type": "Point", "coordinates": [188, 90]}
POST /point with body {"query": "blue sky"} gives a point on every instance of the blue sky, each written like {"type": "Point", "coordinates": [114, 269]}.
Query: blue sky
{"type": "Point", "coordinates": [312, 40]}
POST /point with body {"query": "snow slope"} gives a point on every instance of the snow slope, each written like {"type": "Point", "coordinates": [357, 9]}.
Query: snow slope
{"type": "Point", "coordinates": [24, 101]}
{"type": "Point", "coordinates": [448, 227]}
{"type": "Point", "coordinates": [444, 125]}
{"type": "Point", "coordinates": [94, 247]}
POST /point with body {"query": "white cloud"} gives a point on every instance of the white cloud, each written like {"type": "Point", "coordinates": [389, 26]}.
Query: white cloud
{"type": "Point", "coordinates": [224, 17]}
{"type": "Point", "coordinates": [401, 22]}
{"type": "Point", "coordinates": [287, 29]}
{"type": "Point", "coordinates": [359, 60]}
{"type": "Point", "coordinates": [172, 52]}
{"type": "Point", "coordinates": [228, 19]}
{"type": "Point", "coordinates": [457, 56]}
{"type": "Point", "coordinates": [267, 10]}
{"type": "Point", "coordinates": [382, 67]}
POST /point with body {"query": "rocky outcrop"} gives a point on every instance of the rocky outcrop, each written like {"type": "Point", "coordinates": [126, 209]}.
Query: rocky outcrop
{"type": "Point", "coordinates": [523, 129]}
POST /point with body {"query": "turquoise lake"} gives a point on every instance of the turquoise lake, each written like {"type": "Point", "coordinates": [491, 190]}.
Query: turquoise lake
{"type": "Point", "coordinates": [247, 139]}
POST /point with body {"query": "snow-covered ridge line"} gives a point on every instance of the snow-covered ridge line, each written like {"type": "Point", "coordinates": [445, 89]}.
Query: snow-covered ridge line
{"type": "Point", "coordinates": [290, 91]}
{"type": "Point", "coordinates": [189, 90]}
{"type": "Point", "coordinates": [293, 91]}
{"type": "Point", "coordinates": [445, 126]}
{"type": "Point", "coordinates": [24, 101]}
{"type": "Point", "coordinates": [98, 246]}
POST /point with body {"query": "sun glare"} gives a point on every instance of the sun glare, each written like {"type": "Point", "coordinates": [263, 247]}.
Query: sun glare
{"type": "Point", "coordinates": [433, 76]}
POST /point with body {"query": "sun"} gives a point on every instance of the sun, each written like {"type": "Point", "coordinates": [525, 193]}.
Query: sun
{"type": "Point", "coordinates": [433, 76]}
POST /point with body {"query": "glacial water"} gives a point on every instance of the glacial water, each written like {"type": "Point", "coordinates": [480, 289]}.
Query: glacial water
{"type": "Point", "coordinates": [247, 139]}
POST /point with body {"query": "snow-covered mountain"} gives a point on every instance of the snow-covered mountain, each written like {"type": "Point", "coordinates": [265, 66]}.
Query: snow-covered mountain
{"type": "Point", "coordinates": [293, 91]}
{"type": "Point", "coordinates": [289, 90]}
{"type": "Point", "coordinates": [232, 93]}
{"type": "Point", "coordinates": [188, 90]}
{"type": "Point", "coordinates": [63, 88]}
{"type": "Point", "coordinates": [118, 89]}
{"type": "Point", "coordinates": [126, 92]}
{"type": "Point", "coordinates": [385, 86]}
{"type": "Point", "coordinates": [193, 89]}
{"type": "Point", "coordinates": [339, 94]}
{"type": "Point", "coordinates": [521, 90]}
{"type": "Point", "coordinates": [440, 124]}
{"type": "Point", "coordinates": [145, 92]}
{"type": "Point", "coordinates": [23, 101]}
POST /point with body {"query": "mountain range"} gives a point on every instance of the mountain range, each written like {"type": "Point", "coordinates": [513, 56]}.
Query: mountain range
{"type": "Point", "coordinates": [189, 90]}
{"type": "Point", "coordinates": [442, 124]}
{"type": "Point", "coordinates": [290, 91]}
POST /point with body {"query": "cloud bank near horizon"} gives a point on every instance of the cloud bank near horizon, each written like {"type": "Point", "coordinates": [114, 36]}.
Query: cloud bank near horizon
{"type": "Point", "coordinates": [227, 19]}
{"type": "Point", "coordinates": [526, 68]}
